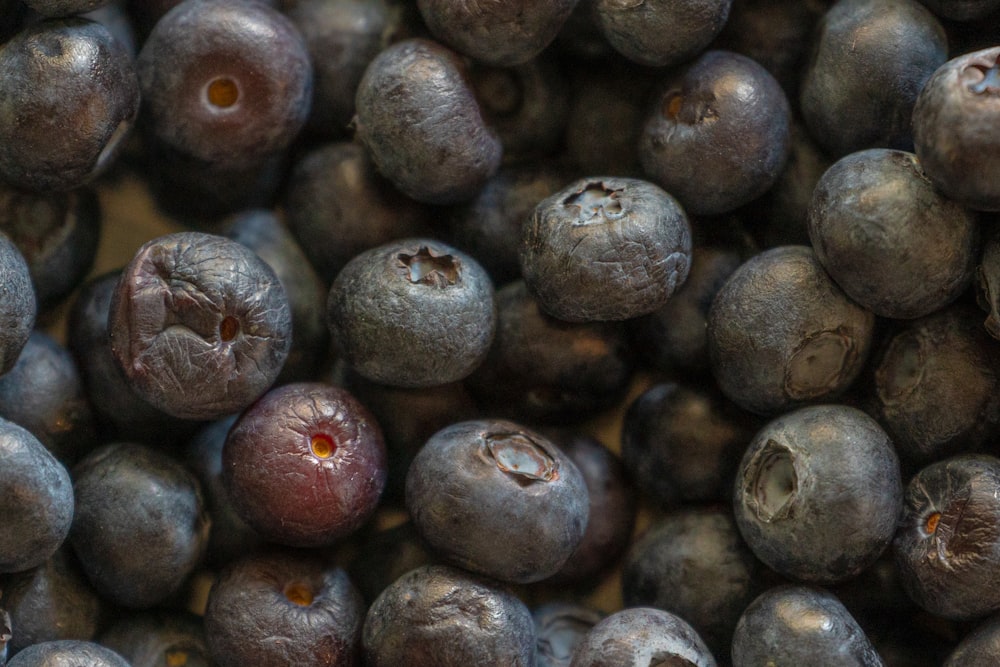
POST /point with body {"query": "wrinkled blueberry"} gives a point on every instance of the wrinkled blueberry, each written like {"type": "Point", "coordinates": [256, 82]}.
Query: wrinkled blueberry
{"type": "Point", "coordinates": [642, 637]}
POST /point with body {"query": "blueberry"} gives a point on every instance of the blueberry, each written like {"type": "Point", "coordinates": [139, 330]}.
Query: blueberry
{"type": "Point", "coordinates": [140, 527]}
{"type": "Point", "coordinates": [980, 648]}
{"type": "Point", "coordinates": [159, 638]}
{"type": "Point", "coordinates": [819, 494]}
{"type": "Point", "coordinates": [64, 7]}
{"type": "Point", "coordinates": [18, 306]}
{"type": "Point", "coordinates": [305, 465]}
{"type": "Point", "coordinates": [801, 625]}
{"type": "Point", "coordinates": [560, 628]}
{"type": "Point", "coordinates": [384, 556]}
{"type": "Point", "coordinates": [605, 249]}
{"type": "Point", "coordinates": [781, 333]}
{"type": "Point", "coordinates": [437, 616]}
{"type": "Point", "coordinates": [67, 652]}
{"type": "Point", "coordinates": [641, 637]}
{"type": "Point", "coordinates": [892, 242]}
{"type": "Point", "coordinates": [494, 497]}
{"type": "Point", "coordinates": [947, 543]}
{"type": "Point", "coordinates": [419, 119]}
{"type": "Point", "coordinates": [37, 496]}
{"type": "Point", "coordinates": [987, 282]}
{"type": "Point", "coordinates": [299, 609]}
{"type": "Point", "coordinates": [717, 135]}
{"type": "Point", "coordinates": [70, 96]}
{"type": "Point", "coordinates": [412, 313]}
{"type": "Point", "coordinates": [199, 324]}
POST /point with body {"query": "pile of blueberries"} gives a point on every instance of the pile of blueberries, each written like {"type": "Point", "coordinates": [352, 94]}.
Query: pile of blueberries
{"type": "Point", "coordinates": [427, 246]}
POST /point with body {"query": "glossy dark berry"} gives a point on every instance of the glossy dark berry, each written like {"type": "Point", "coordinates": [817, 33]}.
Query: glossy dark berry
{"type": "Point", "coordinates": [890, 240]}
{"type": "Point", "coordinates": [37, 496]}
{"type": "Point", "coordinates": [304, 612]}
{"type": "Point", "coordinates": [869, 61]}
{"type": "Point", "coordinates": [305, 465]}
{"type": "Point", "coordinates": [437, 616]}
{"type": "Point", "coordinates": [948, 539]}
{"type": "Point", "coordinates": [781, 333]}
{"type": "Point", "coordinates": [140, 526]}
{"type": "Point", "coordinates": [418, 117]}
{"type": "Point", "coordinates": [717, 135]}
{"type": "Point", "coordinates": [799, 625]}
{"type": "Point", "coordinates": [496, 498]}
{"type": "Point", "coordinates": [69, 97]}
{"type": "Point", "coordinates": [605, 249]}
{"type": "Point", "coordinates": [200, 325]}
{"type": "Point", "coordinates": [412, 313]}
{"type": "Point", "coordinates": [66, 653]}
{"type": "Point", "coordinates": [495, 31]}
{"type": "Point", "coordinates": [228, 83]}
{"type": "Point", "coordinates": [641, 636]}
{"type": "Point", "coordinates": [819, 493]}
{"type": "Point", "coordinates": [951, 118]}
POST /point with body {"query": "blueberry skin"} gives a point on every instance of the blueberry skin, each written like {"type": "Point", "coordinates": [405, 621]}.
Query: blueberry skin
{"type": "Point", "coordinates": [870, 60]}
{"type": "Point", "coordinates": [891, 241]}
{"type": "Point", "coordinates": [418, 117]}
{"type": "Point", "coordinates": [159, 638]}
{"type": "Point", "coordinates": [67, 653]}
{"type": "Point", "coordinates": [661, 33]}
{"type": "Point", "coordinates": [305, 612]}
{"type": "Point", "coordinates": [18, 306]}
{"type": "Point", "coordinates": [782, 334]}
{"type": "Point", "coordinates": [64, 7]}
{"type": "Point", "coordinates": [979, 648]}
{"type": "Point", "coordinates": [305, 465]}
{"type": "Point", "coordinates": [819, 493]}
{"type": "Point", "coordinates": [37, 496]}
{"type": "Point", "coordinates": [199, 324]}
{"type": "Point", "coordinates": [44, 393]}
{"type": "Point", "coordinates": [439, 616]}
{"type": "Point", "coordinates": [642, 636]}
{"type": "Point", "coordinates": [560, 628]}
{"type": "Point", "coordinates": [412, 313]}
{"type": "Point", "coordinates": [140, 527]}
{"type": "Point", "coordinates": [947, 545]}
{"type": "Point", "coordinates": [496, 498]}
{"type": "Point", "coordinates": [717, 136]}
{"type": "Point", "coordinates": [987, 282]}
{"type": "Point", "coordinates": [605, 248]}
{"type": "Point", "coordinates": [52, 601]}
{"type": "Point", "coordinates": [494, 31]}
{"type": "Point", "coordinates": [693, 563]}
{"type": "Point", "coordinates": [70, 96]}
{"type": "Point", "coordinates": [801, 625]}
{"type": "Point", "coordinates": [227, 83]}
{"type": "Point", "coordinates": [952, 122]}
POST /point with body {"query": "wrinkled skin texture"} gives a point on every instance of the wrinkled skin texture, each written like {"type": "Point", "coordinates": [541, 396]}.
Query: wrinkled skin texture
{"type": "Point", "coordinates": [642, 637]}
{"type": "Point", "coordinates": [953, 123]}
{"type": "Point", "coordinates": [412, 313]}
{"type": "Point", "coordinates": [437, 616]}
{"type": "Point", "coordinates": [18, 307]}
{"type": "Point", "coordinates": [37, 496]}
{"type": "Point", "coordinates": [159, 638]}
{"type": "Point", "coordinates": [717, 136]}
{"type": "Point", "coordinates": [979, 648]}
{"type": "Point", "coordinates": [693, 563]}
{"type": "Point", "coordinates": [801, 625]}
{"type": "Point", "coordinates": [140, 527]}
{"type": "Point", "coordinates": [496, 498]}
{"type": "Point", "coordinates": [782, 334]}
{"type": "Point", "coordinates": [496, 32]}
{"type": "Point", "coordinates": [52, 601]}
{"type": "Point", "coordinates": [305, 465]}
{"type": "Point", "coordinates": [257, 59]}
{"type": "Point", "coordinates": [870, 60]}
{"type": "Point", "coordinates": [67, 653]}
{"type": "Point", "coordinates": [560, 628]}
{"type": "Point", "coordinates": [542, 368]}
{"type": "Point", "coordinates": [658, 33]}
{"type": "Point", "coordinates": [418, 117]}
{"type": "Point", "coordinates": [605, 249]}
{"type": "Point", "coordinates": [819, 493]}
{"type": "Point", "coordinates": [276, 609]}
{"type": "Point", "coordinates": [890, 240]}
{"type": "Point", "coordinates": [948, 543]}
{"type": "Point", "coordinates": [69, 96]}
{"type": "Point", "coordinates": [936, 385]}
{"type": "Point", "coordinates": [199, 324]}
